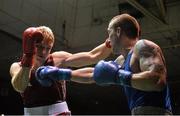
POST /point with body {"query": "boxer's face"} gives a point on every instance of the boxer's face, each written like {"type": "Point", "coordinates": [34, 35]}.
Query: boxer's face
{"type": "Point", "coordinates": [43, 49]}
{"type": "Point", "coordinates": [115, 37]}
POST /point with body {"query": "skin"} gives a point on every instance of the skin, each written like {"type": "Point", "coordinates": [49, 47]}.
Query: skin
{"type": "Point", "coordinates": [88, 58]}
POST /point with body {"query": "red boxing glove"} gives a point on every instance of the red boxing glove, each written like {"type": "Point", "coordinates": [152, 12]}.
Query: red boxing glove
{"type": "Point", "coordinates": [30, 37]}
{"type": "Point", "coordinates": [108, 43]}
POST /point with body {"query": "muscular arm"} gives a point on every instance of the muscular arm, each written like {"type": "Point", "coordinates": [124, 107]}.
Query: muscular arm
{"type": "Point", "coordinates": [153, 70]}
{"type": "Point", "coordinates": [83, 75]}
{"type": "Point", "coordinates": [60, 57]}
{"type": "Point", "coordinates": [20, 77]}
{"type": "Point", "coordinates": [88, 58]}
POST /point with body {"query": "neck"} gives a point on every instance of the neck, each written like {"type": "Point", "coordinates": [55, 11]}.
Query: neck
{"type": "Point", "coordinates": [129, 47]}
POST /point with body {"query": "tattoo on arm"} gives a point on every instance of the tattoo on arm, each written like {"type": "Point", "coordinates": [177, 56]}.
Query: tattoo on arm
{"type": "Point", "coordinates": [146, 50]}
{"type": "Point", "coordinates": [150, 57]}
{"type": "Point", "coordinates": [159, 68]}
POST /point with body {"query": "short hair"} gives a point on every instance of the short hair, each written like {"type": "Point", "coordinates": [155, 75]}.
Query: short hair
{"type": "Point", "coordinates": [47, 34]}
{"type": "Point", "coordinates": [127, 23]}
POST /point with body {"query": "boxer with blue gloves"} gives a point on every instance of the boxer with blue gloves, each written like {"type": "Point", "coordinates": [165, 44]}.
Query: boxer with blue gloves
{"type": "Point", "coordinates": [142, 73]}
{"type": "Point", "coordinates": [143, 69]}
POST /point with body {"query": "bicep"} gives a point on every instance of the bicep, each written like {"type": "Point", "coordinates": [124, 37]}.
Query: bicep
{"type": "Point", "coordinates": [152, 75]}
{"type": "Point", "coordinates": [152, 62]}
{"type": "Point", "coordinates": [88, 58]}
{"type": "Point", "coordinates": [60, 57]}
{"type": "Point", "coordinates": [152, 68]}
{"type": "Point", "coordinates": [150, 57]}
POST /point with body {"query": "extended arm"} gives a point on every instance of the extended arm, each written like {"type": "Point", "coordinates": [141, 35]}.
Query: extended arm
{"type": "Point", "coordinates": [88, 58]}
{"type": "Point", "coordinates": [47, 74]}
{"type": "Point", "coordinates": [83, 75]}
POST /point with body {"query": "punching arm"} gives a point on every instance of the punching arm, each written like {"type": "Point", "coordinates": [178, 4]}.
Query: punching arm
{"type": "Point", "coordinates": [88, 58]}
{"type": "Point", "coordinates": [83, 75]}
{"type": "Point", "coordinates": [46, 75]}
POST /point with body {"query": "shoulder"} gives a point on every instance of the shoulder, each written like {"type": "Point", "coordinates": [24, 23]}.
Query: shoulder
{"type": "Point", "coordinates": [145, 44]}
{"type": "Point", "coordinates": [146, 47]}
{"type": "Point", "coordinates": [120, 59]}
{"type": "Point", "coordinates": [60, 57]}
{"type": "Point", "coordinates": [14, 67]}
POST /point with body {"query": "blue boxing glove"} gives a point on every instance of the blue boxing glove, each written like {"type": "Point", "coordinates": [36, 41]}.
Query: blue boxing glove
{"type": "Point", "coordinates": [45, 75]}
{"type": "Point", "coordinates": [105, 73]}
{"type": "Point", "coordinates": [111, 73]}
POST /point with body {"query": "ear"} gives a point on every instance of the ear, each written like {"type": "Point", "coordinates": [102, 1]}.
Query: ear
{"type": "Point", "coordinates": [118, 30]}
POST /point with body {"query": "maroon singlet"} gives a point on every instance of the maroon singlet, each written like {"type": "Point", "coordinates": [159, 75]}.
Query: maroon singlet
{"type": "Point", "coordinates": [37, 95]}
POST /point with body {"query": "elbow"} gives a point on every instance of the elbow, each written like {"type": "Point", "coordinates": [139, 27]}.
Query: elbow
{"type": "Point", "coordinates": [149, 81]}
{"type": "Point", "coordinates": [156, 82]}
{"type": "Point", "coordinates": [18, 89]}
{"type": "Point", "coordinates": [161, 83]}
{"type": "Point", "coordinates": [16, 86]}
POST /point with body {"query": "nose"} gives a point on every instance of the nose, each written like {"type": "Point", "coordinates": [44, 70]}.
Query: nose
{"type": "Point", "coordinates": [44, 51]}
